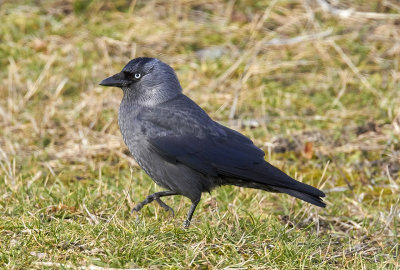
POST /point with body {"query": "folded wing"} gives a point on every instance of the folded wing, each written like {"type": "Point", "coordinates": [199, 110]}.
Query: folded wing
{"type": "Point", "coordinates": [215, 150]}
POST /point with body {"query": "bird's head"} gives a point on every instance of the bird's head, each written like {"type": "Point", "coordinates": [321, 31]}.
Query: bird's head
{"type": "Point", "coordinates": [146, 81]}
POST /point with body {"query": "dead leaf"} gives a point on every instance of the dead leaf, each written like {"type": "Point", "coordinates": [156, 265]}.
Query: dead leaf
{"type": "Point", "coordinates": [308, 150]}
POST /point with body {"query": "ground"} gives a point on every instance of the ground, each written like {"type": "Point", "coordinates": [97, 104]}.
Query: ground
{"type": "Point", "coordinates": [315, 85]}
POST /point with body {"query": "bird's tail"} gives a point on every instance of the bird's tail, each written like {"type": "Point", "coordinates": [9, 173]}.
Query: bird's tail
{"type": "Point", "coordinates": [281, 182]}
{"type": "Point", "coordinates": [270, 178]}
{"type": "Point", "coordinates": [311, 198]}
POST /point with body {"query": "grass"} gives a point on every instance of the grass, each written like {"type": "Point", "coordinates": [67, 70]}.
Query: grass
{"type": "Point", "coordinates": [67, 183]}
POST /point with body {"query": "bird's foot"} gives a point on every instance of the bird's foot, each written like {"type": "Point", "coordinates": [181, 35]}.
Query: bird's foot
{"type": "Point", "coordinates": [186, 224]}
{"type": "Point", "coordinates": [137, 208]}
{"type": "Point", "coordinates": [165, 206]}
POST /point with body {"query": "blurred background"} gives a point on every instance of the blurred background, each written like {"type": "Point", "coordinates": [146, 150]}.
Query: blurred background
{"type": "Point", "coordinates": [314, 83]}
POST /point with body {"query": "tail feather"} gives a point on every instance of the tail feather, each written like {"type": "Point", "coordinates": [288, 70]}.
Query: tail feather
{"type": "Point", "coordinates": [313, 199]}
{"type": "Point", "coordinates": [269, 178]}
{"type": "Point", "coordinates": [282, 182]}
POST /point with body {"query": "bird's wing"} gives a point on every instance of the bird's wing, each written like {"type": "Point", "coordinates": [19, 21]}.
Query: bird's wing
{"type": "Point", "coordinates": [185, 134]}
{"type": "Point", "coordinates": [192, 138]}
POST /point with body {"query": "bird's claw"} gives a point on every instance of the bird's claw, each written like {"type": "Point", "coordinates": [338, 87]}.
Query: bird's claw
{"type": "Point", "coordinates": [137, 208]}
{"type": "Point", "coordinates": [186, 224]}
{"type": "Point", "coordinates": [165, 206]}
{"type": "Point", "coordinates": [169, 209]}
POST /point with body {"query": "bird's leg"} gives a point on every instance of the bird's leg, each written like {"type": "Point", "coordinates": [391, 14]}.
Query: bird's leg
{"type": "Point", "coordinates": [190, 213]}
{"type": "Point", "coordinates": [155, 196]}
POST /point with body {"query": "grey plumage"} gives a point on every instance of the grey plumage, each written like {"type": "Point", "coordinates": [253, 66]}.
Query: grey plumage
{"type": "Point", "coordinates": [181, 148]}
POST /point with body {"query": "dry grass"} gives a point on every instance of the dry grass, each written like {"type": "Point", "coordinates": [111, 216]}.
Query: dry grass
{"type": "Point", "coordinates": [316, 89]}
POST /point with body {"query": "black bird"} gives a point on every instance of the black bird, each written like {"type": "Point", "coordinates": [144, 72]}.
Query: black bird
{"type": "Point", "coordinates": [181, 148]}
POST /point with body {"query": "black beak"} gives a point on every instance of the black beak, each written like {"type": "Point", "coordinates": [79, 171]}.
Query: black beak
{"type": "Point", "coordinates": [114, 80]}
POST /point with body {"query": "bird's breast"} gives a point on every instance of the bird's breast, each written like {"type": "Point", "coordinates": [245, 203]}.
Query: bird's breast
{"type": "Point", "coordinates": [128, 124]}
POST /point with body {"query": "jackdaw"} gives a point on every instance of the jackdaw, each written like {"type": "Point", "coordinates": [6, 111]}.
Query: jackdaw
{"type": "Point", "coordinates": [181, 148]}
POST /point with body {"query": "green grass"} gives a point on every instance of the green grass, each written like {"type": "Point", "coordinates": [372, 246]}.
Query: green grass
{"type": "Point", "coordinates": [67, 183]}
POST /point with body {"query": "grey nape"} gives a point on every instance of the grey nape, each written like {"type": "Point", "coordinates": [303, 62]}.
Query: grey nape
{"type": "Point", "coordinates": [181, 148]}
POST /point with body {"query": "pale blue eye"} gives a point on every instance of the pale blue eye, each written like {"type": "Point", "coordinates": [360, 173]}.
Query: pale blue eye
{"type": "Point", "coordinates": [137, 75]}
